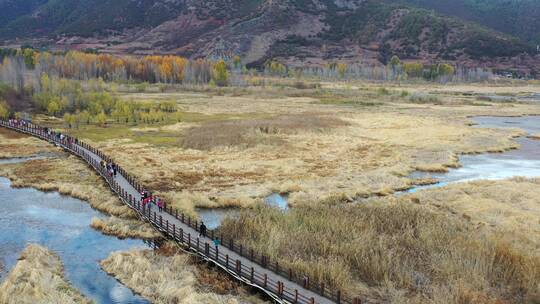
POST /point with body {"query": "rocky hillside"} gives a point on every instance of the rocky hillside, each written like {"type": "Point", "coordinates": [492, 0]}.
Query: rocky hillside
{"type": "Point", "coordinates": [307, 31]}
{"type": "Point", "coordinates": [515, 17]}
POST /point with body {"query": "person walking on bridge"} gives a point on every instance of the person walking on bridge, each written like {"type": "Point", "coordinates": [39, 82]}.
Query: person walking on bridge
{"type": "Point", "coordinates": [202, 230]}
{"type": "Point", "coordinates": [216, 242]}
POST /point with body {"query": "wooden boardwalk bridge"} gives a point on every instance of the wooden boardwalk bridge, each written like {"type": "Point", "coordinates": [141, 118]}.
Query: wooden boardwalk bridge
{"type": "Point", "coordinates": [283, 285]}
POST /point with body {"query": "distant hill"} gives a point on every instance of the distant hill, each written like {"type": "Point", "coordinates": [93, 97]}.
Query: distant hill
{"type": "Point", "coordinates": [520, 18]}
{"type": "Point", "coordinates": [307, 31]}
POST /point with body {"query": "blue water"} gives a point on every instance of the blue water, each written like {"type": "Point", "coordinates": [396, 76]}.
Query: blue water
{"type": "Point", "coordinates": [16, 160]}
{"type": "Point", "coordinates": [61, 224]}
{"type": "Point", "coordinates": [277, 200]}
{"type": "Point", "coordinates": [213, 218]}
{"type": "Point", "coordinates": [523, 162]}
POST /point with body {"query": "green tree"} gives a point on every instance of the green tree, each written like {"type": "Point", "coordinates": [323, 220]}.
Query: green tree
{"type": "Point", "coordinates": [70, 120]}
{"type": "Point", "coordinates": [342, 69]}
{"type": "Point", "coordinates": [446, 69]}
{"type": "Point", "coordinates": [53, 108]}
{"type": "Point", "coordinates": [237, 62]}
{"type": "Point", "coordinates": [101, 119]}
{"type": "Point", "coordinates": [4, 110]}
{"type": "Point", "coordinates": [395, 67]}
{"type": "Point", "coordinates": [413, 69]}
{"type": "Point", "coordinates": [395, 61]}
{"type": "Point", "coordinates": [84, 117]}
{"type": "Point", "coordinates": [220, 74]}
{"type": "Point", "coordinates": [276, 68]}
{"type": "Point", "coordinates": [45, 82]}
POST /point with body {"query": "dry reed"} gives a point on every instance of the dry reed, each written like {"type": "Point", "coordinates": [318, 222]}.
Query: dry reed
{"type": "Point", "coordinates": [123, 228]}
{"type": "Point", "coordinates": [68, 176]}
{"type": "Point", "coordinates": [38, 278]}
{"type": "Point", "coordinates": [391, 252]}
{"type": "Point", "coordinates": [164, 279]}
{"type": "Point", "coordinates": [252, 132]}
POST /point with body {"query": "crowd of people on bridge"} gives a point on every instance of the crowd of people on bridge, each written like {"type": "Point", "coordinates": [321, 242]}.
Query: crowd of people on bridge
{"type": "Point", "coordinates": [147, 199]}
{"type": "Point", "coordinates": [58, 136]}
{"type": "Point", "coordinates": [110, 167]}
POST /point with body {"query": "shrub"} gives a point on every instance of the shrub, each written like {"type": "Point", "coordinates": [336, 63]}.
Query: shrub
{"type": "Point", "coordinates": [424, 98]}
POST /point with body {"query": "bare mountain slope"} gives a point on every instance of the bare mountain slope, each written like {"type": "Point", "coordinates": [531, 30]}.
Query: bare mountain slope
{"type": "Point", "coordinates": [258, 30]}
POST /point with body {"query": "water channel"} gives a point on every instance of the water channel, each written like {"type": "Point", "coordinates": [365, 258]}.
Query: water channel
{"type": "Point", "coordinates": [62, 224]}
{"type": "Point", "coordinates": [524, 162]}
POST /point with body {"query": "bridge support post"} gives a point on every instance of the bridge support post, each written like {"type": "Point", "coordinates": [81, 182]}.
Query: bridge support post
{"type": "Point", "coordinates": [207, 249]}
{"type": "Point", "coordinates": [252, 275]}
{"type": "Point", "coordinates": [306, 282]}
{"type": "Point", "coordinates": [239, 267]}
{"type": "Point", "coordinates": [295, 296]}
{"type": "Point", "coordinates": [227, 261]}
{"type": "Point", "coordinates": [338, 297]}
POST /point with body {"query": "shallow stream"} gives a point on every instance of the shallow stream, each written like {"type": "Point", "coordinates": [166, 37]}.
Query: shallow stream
{"type": "Point", "coordinates": [62, 224]}
{"type": "Point", "coordinates": [524, 161]}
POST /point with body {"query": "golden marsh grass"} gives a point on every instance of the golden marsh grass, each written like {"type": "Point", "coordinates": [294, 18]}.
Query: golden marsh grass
{"type": "Point", "coordinates": [38, 278]}
{"type": "Point", "coordinates": [165, 278]}
{"type": "Point", "coordinates": [125, 228]}
{"type": "Point", "coordinates": [393, 252]}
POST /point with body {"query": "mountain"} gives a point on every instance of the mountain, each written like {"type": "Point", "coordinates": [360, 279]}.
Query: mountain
{"type": "Point", "coordinates": [307, 31]}
{"type": "Point", "coordinates": [10, 10]}
{"type": "Point", "coordinates": [519, 18]}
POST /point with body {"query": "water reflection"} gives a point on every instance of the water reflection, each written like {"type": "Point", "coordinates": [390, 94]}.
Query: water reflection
{"type": "Point", "coordinates": [278, 200]}
{"type": "Point", "coordinates": [213, 218]}
{"type": "Point", "coordinates": [524, 162]}
{"type": "Point", "coordinates": [61, 224]}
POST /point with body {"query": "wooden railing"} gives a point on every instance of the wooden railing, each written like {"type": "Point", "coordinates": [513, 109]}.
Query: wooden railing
{"type": "Point", "coordinates": [208, 252]}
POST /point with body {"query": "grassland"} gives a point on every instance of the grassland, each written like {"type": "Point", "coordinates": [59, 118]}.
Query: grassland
{"type": "Point", "coordinates": [68, 175]}
{"type": "Point", "coordinates": [125, 228]}
{"type": "Point", "coordinates": [396, 252]}
{"type": "Point", "coordinates": [509, 207]}
{"type": "Point", "coordinates": [328, 146]}
{"type": "Point", "coordinates": [167, 276]}
{"type": "Point", "coordinates": [366, 141]}
{"type": "Point", "coordinates": [234, 146]}
{"type": "Point", "coordinates": [38, 278]}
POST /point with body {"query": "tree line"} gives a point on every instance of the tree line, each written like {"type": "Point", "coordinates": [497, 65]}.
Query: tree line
{"type": "Point", "coordinates": [170, 69]}
{"type": "Point", "coordinates": [96, 104]}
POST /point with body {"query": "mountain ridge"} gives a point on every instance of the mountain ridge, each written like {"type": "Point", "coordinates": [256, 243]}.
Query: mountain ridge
{"type": "Point", "coordinates": [296, 31]}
